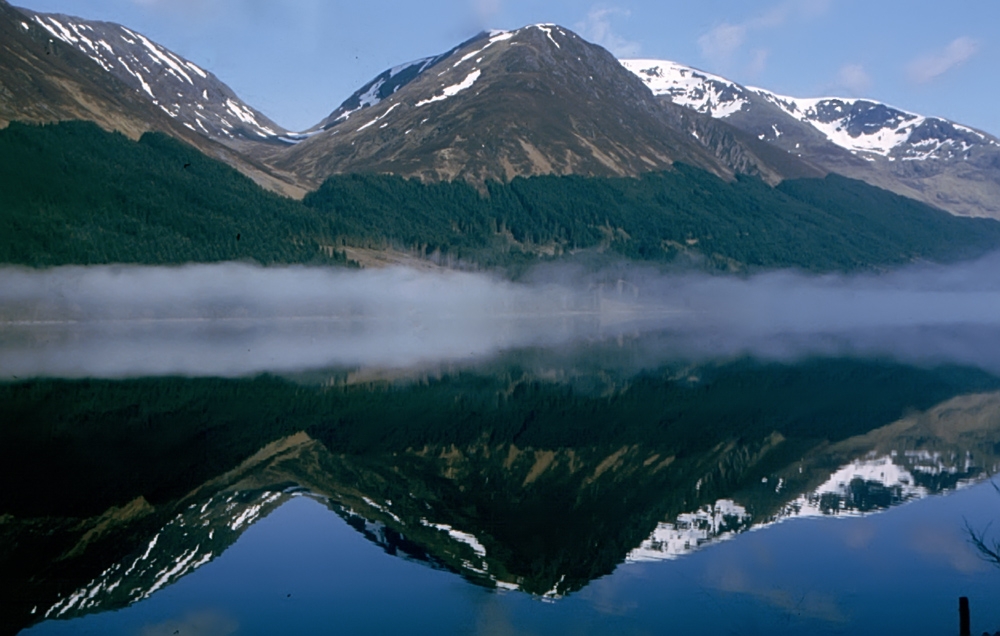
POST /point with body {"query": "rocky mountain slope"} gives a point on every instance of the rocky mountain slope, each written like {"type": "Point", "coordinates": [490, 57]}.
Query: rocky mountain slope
{"type": "Point", "coordinates": [51, 70]}
{"type": "Point", "coordinates": [423, 505]}
{"type": "Point", "coordinates": [180, 88]}
{"type": "Point", "coordinates": [41, 80]}
{"type": "Point", "coordinates": [538, 100]}
{"type": "Point", "coordinates": [931, 159]}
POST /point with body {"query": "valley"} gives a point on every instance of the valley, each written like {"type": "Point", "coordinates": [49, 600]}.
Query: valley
{"type": "Point", "coordinates": [513, 148]}
{"type": "Point", "coordinates": [535, 333]}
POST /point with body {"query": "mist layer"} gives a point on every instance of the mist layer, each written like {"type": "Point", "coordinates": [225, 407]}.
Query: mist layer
{"type": "Point", "coordinates": [236, 319]}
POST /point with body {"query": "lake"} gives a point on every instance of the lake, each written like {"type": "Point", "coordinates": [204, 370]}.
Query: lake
{"type": "Point", "coordinates": [564, 457]}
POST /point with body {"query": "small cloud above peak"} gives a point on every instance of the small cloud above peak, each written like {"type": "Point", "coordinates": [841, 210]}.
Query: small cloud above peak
{"type": "Point", "coordinates": [758, 62]}
{"type": "Point", "coordinates": [597, 28]}
{"type": "Point", "coordinates": [854, 79]}
{"type": "Point", "coordinates": [933, 65]}
{"type": "Point", "coordinates": [485, 11]}
{"type": "Point", "coordinates": [720, 44]}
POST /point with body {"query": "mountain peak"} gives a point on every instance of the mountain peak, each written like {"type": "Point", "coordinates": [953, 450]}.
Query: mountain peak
{"type": "Point", "coordinates": [863, 126]}
{"type": "Point", "coordinates": [184, 91]}
{"type": "Point", "coordinates": [534, 100]}
{"type": "Point", "coordinates": [391, 80]}
{"type": "Point", "coordinates": [931, 159]}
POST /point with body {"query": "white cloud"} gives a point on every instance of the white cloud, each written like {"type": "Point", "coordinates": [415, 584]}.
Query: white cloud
{"type": "Point", "coordinates": [486, 10]}
{"type": "Point", "coordinates": [597, 28]}
{"type": "Point", "coordinates": [933, 65]}
{"type": "Point", "coordinates": [854, 78]}
{"type": "Point", "coordinates": [720, 44]}
{"type": "Point", "coordinates": [758, 62]}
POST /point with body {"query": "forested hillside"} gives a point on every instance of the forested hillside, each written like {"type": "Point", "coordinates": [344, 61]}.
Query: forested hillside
{"type": "Point", "coordinates": [816, 224]}
{"type": "Point", "coordinates": [71, 193]}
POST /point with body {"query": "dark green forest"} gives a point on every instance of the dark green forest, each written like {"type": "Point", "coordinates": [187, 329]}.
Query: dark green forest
{"type": "Point", "coordinates": [77, 447]}
{"type": "Point", "coordinates": [71, 193]}
{"type": "Point", "coordinates": [105, 442]}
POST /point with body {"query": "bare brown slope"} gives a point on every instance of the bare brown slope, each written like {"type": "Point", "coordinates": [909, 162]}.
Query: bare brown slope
{"type": "Point", "coordinates": [44, 80]}
{"type": "Point", "coordinates": [539, 100]}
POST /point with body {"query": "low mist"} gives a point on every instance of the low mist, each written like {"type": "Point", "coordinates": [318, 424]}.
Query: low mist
{"type": "Point", "coordinates": [236, 319]}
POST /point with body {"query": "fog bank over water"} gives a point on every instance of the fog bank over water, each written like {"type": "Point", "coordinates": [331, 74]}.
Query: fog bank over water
{"type": "Point", "coordinates": [236, 319]}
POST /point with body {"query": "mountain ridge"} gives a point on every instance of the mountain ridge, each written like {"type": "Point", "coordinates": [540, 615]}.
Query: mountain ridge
{"type": "Point", "coordinates": [557, 121]}
{"type": "Point", "coordinates": [415, 485]}
{"type": "Point", "coordinates": [931, 159]}
{"type": "Point", "coordinates": [45, 79]}
{"type": "Point", "coordinates": [179, 87]}
{"type": "Point", "coordinates": [531, 101]}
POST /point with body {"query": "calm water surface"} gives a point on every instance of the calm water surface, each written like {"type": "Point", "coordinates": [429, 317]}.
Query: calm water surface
{"type": "Point", "coordinates": [569, 471]}
{"type": "Point", "coordinates": [303, 570]}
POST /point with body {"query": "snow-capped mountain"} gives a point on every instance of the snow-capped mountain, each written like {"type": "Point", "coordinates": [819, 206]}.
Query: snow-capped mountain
{"type": "Point", "coordinates": [431, 505]}
{"type": "Point", "coordinates": [860, 487]}
{"type": "Point", "coordinates": [933, 159]}
{"type": "Point", "coordinates": [864, 127]}
{"type": "Point", "coordinates": [46, 76]}
{"type": "Point", "coordinates": [44, 80]}
{"type": "Point", "coordinates": [178, 87]}
{"type": "Point", "coordinates": [535, 100]}
{"type": "Point", "coordinates": [384, 85]}
{"type": "Point", "coordinates": [191, 539]}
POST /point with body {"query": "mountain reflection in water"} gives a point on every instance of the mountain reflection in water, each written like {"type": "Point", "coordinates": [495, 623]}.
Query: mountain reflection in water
{"type": "Point", "coordinates": [532, 472]}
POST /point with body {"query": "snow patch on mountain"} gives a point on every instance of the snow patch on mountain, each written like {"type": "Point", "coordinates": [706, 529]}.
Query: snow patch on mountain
{"type": "Point", "coordinates": [846, 493]}
{"type": "Point", "coordinates": [179, 87]}
{"type": "Point", "coordinates": [247, 116]}
{"type": "Point", "coordinates": [454, 89]}
{"type": "Point", "coordinates": [379, 118]}
{"type": "Point", "coordinates": [686, 86]}
{"type": "Point", "coordinates": [495, 36]}
{"type": "Point", "coordinates": [378, 89]}
{"type": "Point", "coordinates": [715, 522]}
{"type": "Point", "coordinates": [864, 127]}
{"type": "Point", "coordinates": [855, 124]}
{"type": "Point", "coordinates": [217, 524]}
{"type": "Point", "coordinates": [462, 537]}
{"type": "Point", "coordinates": [547, 29]}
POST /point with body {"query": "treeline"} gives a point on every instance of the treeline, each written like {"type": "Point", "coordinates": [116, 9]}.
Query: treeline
{"type": "Point", "coordinates": [831, 224]}
{"type": "Point", "coordinates": [84, 445]}
{"type": "Point", "coordinates": [74, 448]}
{"type": "Point", "coordinates": [71, 193]}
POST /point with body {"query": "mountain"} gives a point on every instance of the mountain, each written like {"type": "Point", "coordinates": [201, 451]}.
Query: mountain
{"type": "Point", "coordinates": [382, 86]}
{"type": "Point", "coordinates": [180, 88]}
{"type": "Point", "coordinates": [54, 68]}
{"type": "Point", "coordinates": [158, 200]}
{"type": "Point", "coordinates": [535, 101]}
{"type": "Point", "coordinates": [41, 80]}
{"type": "Point", "coordinates": [540, 481]}
{"type": "Point", "coordinates": [531, 112]}
{"type": "Point", "coordinates": [944, 164]}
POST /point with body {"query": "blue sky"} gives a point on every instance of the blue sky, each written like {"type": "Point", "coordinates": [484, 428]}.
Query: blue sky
{"type": "Point", "coordinates": [296, 60]}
